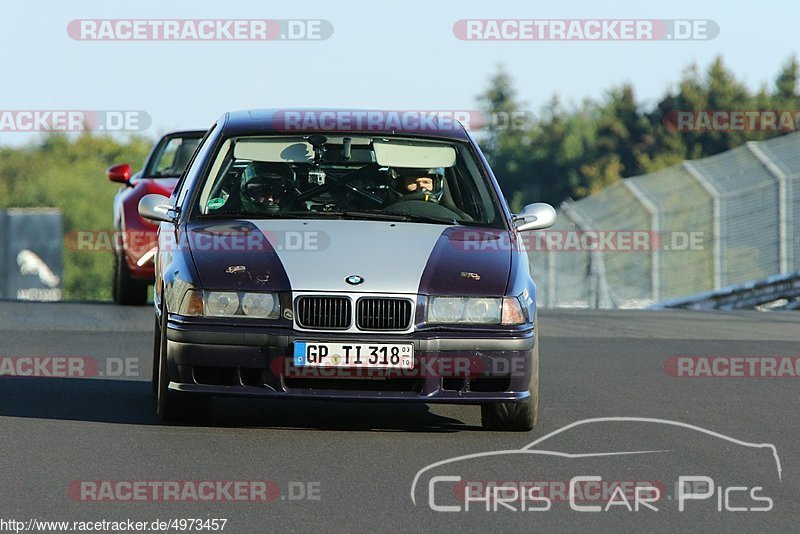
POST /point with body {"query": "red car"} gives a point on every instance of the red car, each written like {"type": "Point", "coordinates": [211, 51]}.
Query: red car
{"type": "Point", "coordinates": [133, 260]}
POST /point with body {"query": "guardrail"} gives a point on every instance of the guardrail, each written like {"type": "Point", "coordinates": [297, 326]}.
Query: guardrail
{"type": "Point", "coordinates": [774, 292]}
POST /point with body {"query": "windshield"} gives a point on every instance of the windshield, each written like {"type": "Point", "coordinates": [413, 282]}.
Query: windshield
{"type": "Point", "coordinates": [348, 177]}
{"type": "Point", "coordinates": [172, 156]}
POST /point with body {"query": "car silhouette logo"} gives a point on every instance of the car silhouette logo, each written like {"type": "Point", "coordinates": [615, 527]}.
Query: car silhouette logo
{"type": "Point", "coordinates": [354, 280]}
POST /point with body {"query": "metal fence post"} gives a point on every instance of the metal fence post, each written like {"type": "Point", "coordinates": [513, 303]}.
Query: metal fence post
{"type": "Point", "coordinates": [600, 292]}
{"type": "Point", "coordinates": [784, 239]}
{"type": "Point", "coordinates": [4, 240]}
{"type": "Point", "coordinates": [552, 280]}
{"type": "Point", "coordinates": [717, 220]}
{"type": "Point", "coordinates": [655, 227]}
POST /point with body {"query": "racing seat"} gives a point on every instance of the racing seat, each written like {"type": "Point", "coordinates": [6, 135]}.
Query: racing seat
{"type": "Point", "coordinates": [447, 202]}
{"type": "Point", "coordinates": [182, 157]}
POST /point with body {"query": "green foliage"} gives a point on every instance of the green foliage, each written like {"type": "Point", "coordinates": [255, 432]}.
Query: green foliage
{"type": "Point", "coordinates": [70, 174]}
{"type": "Point", "coordinates": [573, 152]}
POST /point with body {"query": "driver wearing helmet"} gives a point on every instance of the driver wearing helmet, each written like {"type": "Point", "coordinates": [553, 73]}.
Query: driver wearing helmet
{"type": "Point", "coordinates": [419, 184]}
{"type": "Point", "coordinates": [264, 185]}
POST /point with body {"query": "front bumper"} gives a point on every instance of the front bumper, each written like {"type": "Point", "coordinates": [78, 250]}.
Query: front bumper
{"type": "Point", "coordinates": [463, 367]}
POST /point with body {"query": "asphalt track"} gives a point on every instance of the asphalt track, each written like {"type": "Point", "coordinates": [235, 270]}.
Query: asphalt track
{"type": "Point", "coordinates": [360, 460]}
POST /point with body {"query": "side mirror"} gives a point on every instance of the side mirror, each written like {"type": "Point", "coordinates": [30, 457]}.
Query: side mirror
{"type": "Point", "coordinates": [535, 217]}
{"type": "Point", "coordinates": [120, 173]}
{"type": "Point", "coordinates": [156, 208]}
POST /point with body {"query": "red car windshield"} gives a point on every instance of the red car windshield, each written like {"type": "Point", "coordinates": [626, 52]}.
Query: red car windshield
{"type": "Point", "coordinates": [171, 157]}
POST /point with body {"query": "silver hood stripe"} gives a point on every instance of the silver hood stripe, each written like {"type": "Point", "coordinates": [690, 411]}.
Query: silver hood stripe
{"type": "Point", "coordinates": [390, 257]}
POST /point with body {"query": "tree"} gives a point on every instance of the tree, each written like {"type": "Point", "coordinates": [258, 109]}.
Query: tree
{"type": "Point", "coordinates": [570, 152]}
{"type": "Point", "coordinates": [503, 147]}
{"type": "Point", "coordinates": [786, 82]}
{"type": "Point", "coordinates": [69, 173]}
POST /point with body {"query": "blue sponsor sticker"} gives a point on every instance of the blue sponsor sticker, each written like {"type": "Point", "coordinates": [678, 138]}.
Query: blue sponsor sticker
{"type": "Point", "coordinates": [300, 353]}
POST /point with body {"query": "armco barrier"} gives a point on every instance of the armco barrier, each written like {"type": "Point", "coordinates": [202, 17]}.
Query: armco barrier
{"type": "Point", "coordinates": [779, 291]}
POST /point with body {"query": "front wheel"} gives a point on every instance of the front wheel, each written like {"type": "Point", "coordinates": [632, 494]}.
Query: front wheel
{"type": "Point", "coordinates": [516, 416]}
{"type": "Point", "coordinates": [127, 290]}
{"type": "Point", "coordinates": [156, 355]}
{"type": "Point", "coordinates": [175, 406]}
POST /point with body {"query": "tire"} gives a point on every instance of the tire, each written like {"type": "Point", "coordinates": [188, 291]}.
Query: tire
{"type": "Point", "coordinates": [156, 354]}
{"type": "Point", "coordinates": [174, 406]}
{"type": "Point", "coordinates": [516, 416]}
{"type": "Point", "coordinates": [126, 290]}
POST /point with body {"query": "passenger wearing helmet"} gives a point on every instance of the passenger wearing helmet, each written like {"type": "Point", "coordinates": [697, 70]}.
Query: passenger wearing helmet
{"type": "Point", "coordinates": [264, 185]}
{"type": "Point", "coordinates": [418, 184]}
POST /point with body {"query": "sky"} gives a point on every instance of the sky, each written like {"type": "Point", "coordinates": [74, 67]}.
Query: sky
{"type": "Point", "coordinates": [385, 55]}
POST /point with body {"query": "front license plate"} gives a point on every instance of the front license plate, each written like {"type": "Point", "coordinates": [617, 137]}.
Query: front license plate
{"type": "Point", "coordinates": [371, 355]}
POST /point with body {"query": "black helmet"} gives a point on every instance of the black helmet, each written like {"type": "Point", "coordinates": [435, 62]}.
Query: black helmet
{"type": "Point", "coordinates": [264, 184]}
{"type": "Point", "coordinates": [399, 175]}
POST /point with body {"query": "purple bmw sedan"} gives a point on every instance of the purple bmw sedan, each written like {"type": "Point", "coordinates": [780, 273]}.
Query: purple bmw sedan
{"type": "Point", "coordinates": [343, 255]}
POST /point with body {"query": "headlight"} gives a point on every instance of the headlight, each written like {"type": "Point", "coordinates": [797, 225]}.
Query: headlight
{"type": "Point", "coordinates": [221, 303]}
{"type": "Point", "coordinates": [260, 305]}
{"type": "Point", "coordinates": [483, 311]}
{"type": "Point", "coordinates": [197, 303]}
{"type": "Point", "coordinates": [475, 310]}
{"type": "Point", "coordinates": [467, 310]}
{"type": "Point", "coordinates": [446, 310]}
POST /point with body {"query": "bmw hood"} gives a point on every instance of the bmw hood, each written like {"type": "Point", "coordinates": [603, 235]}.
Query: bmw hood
{"type": "Point", "coordinates": [349, 256]}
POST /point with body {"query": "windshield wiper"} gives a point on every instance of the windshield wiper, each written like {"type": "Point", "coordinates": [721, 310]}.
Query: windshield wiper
{"type": "Point", "coordinates": [401, 217]}
{"type": "Point", "coordinates": [360, 215]}
{"type": "Point", "coordinates": [336, 214]}
{"type": "Point", "coordinates": [253, 215]}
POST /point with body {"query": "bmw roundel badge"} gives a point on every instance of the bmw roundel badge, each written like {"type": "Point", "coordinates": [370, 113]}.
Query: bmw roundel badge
{"type": "Point", "coordinates": [354, 280]}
